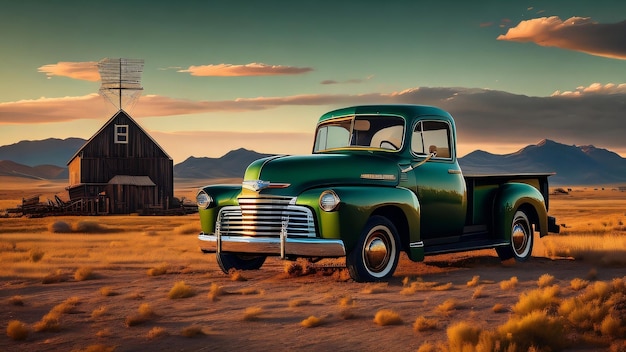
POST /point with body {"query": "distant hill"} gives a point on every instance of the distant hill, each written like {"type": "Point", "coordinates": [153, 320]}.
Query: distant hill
{"type": "Point", "coordinates": [48, 172]}
{"type": "Point", "coordinates": [51, 151]}
{"type": "Point", "coordinates": [232, 164]}
{"type": "Point", "coordinates": [574, 165]}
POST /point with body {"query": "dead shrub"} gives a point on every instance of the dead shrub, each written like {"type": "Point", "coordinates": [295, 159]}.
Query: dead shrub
{"type": "Point", "coordinates": [462, 334]}
{"type": "Point", "coordinates": [509, 284]}
{"type": "Point", "coordinates": [85, 226]}
{"type": "Point", "coordinates": [192, 331]}
{"type": "Point", "coordinates": [545, 280]}
{"type": "Point", "coordinates": [312, 322]}
{"type": "Point", "coordinates": [372, 289]}
{"type": "Point", "coordinates": [156, 332]}
{"type": "Point", "coordinates": [474, 281]}
{"type": "Point", "coordinates": [17, 330]}
{"type": "Point", "coordinates": [534, 329]}
{"type": "Point", "coordinates": [299, 268]}
{"type": "Point", "coordinates": [235, 275]}
{"type": "Point", "coordinates": [386, 317]}
{"type": "Point", "coordinates": [98, 312]}
{"type": "Point", "coordinates": [498, 308]}
{"type": "Point", "coordinates": [416, 286]}
{"type": "Point", "coordinates": [298, 303]}
{"type": "Point", "coordinates": [538, 299]}
{"type": "Point", "coordinates": [578, 284]}
{"type": "Point", "coordinates": [56, 277]}
{"type": "Point", "coordinates": [84, 273]}
{"type": "Point", "coordinates": [59, 227]}
{"type": "Point", "coordinates": [252, 313]}
{"type": "Point", "coordinates": [422, 324]}
{"type": "Point", "coordinates": [181, 290]}
{"type": "Point", "coordinates": [215, 291]}
{"type": "Point", "coordinates": [478, 292]}
{"type": "Point", "coordinates": [108, 291]}
{"type": "Point", "coordinates": [446, 307]}
{"type": "Point", "coordinates": [610, 326]}
{"type": "Point", "coordinates": [145, 313]}
{"type": "Point", "coordinates": [49, 322]}
{"type": "Point", "coordinates": [158, 270]}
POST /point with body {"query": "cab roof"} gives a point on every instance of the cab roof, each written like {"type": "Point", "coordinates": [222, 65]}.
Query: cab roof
{"type": "Point", "coordinates": [407, 111]}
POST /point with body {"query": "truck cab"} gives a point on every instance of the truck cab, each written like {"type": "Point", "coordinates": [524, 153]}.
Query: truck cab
{"type": "Point", "coordinates": [381, 179]}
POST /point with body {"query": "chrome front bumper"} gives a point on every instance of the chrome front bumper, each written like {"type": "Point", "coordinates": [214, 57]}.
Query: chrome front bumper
{"type": "Point", "coordinates": [282, 246]}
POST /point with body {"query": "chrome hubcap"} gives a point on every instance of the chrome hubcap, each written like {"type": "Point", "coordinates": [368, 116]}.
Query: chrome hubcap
{"type": "Point", "coordinates": [376, 252]}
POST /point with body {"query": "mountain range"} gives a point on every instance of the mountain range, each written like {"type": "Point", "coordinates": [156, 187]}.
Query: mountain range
{"type": "Point", "coordinates": [572, 165]}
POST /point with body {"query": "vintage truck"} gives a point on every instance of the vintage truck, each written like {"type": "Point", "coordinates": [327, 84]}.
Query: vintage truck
{"type": "Point", "coordinates": [381, 179]}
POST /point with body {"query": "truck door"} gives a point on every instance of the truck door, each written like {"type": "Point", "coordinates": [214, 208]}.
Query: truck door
{"type": "Point", "coordinates": [439, 183]}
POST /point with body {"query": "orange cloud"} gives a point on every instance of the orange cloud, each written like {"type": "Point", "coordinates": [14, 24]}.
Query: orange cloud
{"type": "Point", "coordinates": [577, 33]}
{"type": "Point", "coordinates": [86, 71]}
{"type": "Point", "coordinates": [251, 69]}
{"type": "Point", "coordinates": [594, 88]}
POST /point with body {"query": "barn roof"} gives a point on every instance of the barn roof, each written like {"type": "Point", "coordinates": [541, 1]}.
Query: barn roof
{"type": "Point", "coordinates": [121, 111]}
{"type": "Point", "coordinates": [131, 180]}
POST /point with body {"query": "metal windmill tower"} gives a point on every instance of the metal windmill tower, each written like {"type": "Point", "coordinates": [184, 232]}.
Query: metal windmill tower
{"type": "Point", "coordinates": [121, 81]}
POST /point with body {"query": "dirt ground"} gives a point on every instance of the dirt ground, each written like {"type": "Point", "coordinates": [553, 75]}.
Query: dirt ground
{"type": "Point", "coordinates": [266, 309]}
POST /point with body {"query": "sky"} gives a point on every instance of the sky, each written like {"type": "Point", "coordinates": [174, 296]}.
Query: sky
{"type": "Point", "coordinates": [223, 75]}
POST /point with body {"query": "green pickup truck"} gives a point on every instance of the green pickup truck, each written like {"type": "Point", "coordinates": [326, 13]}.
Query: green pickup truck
{"type": "Point", "coordinates": [381, 179]}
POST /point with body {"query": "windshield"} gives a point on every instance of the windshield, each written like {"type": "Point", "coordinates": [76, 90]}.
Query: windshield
{"type": "Point", "coordinates": [367, 131]}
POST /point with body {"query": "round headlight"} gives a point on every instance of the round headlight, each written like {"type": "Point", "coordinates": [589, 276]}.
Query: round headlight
{"type": "Point", "coordinates": [203, 200]}
{"type": "Point", "coordinates": [329, 200]}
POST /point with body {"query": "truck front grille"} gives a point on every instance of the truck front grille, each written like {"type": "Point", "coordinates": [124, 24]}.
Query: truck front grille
{"type": "Point", "coordinates": [266, 217]}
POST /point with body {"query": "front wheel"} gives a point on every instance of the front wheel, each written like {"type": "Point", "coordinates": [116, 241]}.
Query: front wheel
{"type": "Point", "coordinates": [375, 256]}
{"type": "Point", "coordinates": [521, 245]}
{"type": "Point", "coordinates": [228, 261]}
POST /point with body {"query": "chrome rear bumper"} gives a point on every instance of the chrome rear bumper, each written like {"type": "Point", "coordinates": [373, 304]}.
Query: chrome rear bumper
{"type": "Point", "coordinates": [281, 246]}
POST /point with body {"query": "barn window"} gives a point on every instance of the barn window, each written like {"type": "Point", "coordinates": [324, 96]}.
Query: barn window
{"type": "Point", "coordinates": [121, 134]}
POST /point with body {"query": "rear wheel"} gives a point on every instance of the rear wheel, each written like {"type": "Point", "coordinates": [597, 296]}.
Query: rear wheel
{"type": "Point", "coordinates": [521, 245]}
{"type": "Point", "coordinates": [375, 256]}
{"type": "Point", "coordinates": [228, 261]}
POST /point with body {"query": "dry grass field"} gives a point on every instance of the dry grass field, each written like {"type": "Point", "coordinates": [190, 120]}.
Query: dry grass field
{"type": "Point", "coordinates": [131, 283]}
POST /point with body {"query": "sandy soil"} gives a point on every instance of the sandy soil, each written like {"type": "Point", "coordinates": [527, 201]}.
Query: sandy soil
{"type": "Point", "coordinates": [282, 302]}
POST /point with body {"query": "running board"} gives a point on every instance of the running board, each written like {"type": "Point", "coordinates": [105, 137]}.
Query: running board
{"type": "Point", "coordinates": [463, 246]}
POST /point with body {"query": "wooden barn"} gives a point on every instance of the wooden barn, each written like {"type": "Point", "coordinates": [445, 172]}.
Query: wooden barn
{"type": "Point", "coordinates": [121, 170]}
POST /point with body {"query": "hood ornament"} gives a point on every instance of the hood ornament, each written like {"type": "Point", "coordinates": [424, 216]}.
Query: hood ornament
{"type": "Point", "coordinates": [255, 185]}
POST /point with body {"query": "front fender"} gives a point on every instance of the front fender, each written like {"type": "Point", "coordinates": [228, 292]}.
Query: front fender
{"type": "Point", "coordinates": [357, 204]}
{"type": "Point", "coordinates": [222, 195]}
{"type": "Point", "coordinates": [512, 196]}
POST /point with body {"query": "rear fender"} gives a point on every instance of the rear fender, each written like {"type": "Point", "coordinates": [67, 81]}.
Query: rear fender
{"type": "Point", "coordinates": [513, 196]}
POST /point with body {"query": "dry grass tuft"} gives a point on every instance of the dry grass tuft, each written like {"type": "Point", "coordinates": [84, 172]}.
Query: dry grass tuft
{"type": "Point", "coordinates": [98, 312]}
{"type": "Point", "coordinates": [252, 313]}
{"type": "Point", "coordinates": [17, 330]}
{"type": "Point", "coordinates": [50, 321]}
{"type": "Point", "coordinates": [215, 291]}
{"type": "Point", "coordinates": [59, 227]}
{"type": "Point", "coordinates": [474, 281]}
{"type": "Point", "coordinates": [312, 322]}
{"type": "Point", "coordinates": [56, 277]}
{"type": "Point", "coordinates": [145, 313]}
{"type": "Point", "coordinates": [157, 332]}
{"type": "Point", "coordinates": [235, 275]}
{"type": "Point", "coordinates": [462, 334]}
{"type": "Point", "coordinates": [106, 332]}
{"type": "Point", "coordinates": [422, 324]}
{"type": "Point", "coordinates": [545, 280]}
{"type": "Point", "coordinates": [478, 292]}
{"type": "Point", "coordinates": [108, 291]}
{"type": "Point", "coordinates": [192, 331]}
{"type": "Point", "coordinates": [86, 226]}
{"type": "Point", "coordinates": [386, 317]}
{"type": "Point", "coordinates": [419, 285]}
{"type": "Point", "coordinates": [498, 308]}
{"type": "Point", "coordinates": [509, 284]}
{"type": "Point", "coordinates": [347, 301]}
{"type": "Point", "coordinates": [158, 270]}
{"type": "Point", "coordinates": [447, 307]}
{"type": "Point", "coordinates": [84, 273]}
{"type": "Point", "coordinates": [611, 326]}
{"type": "Point", "coordinates": [578, 284]}
{"type": "Point", "coordinates": [372, 289]}
{"type": "Point", "coordinates": [534, 329]}
{"type": "Point", "coordinates": [17, 301]}
{"type": "Point", "coordinates": [299, 268]}
{"type": "Point", "coordinates": [538, 299]}
{"type": "Point", "coordinates": [181, 290]}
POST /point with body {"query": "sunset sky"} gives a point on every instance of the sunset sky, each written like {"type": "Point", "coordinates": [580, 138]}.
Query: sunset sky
{"type": "Point", "coordinates": [221, 75]}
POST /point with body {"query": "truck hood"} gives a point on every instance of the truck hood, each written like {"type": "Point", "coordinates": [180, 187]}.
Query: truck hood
{"type": "Point", "coordinates": [290, 175]}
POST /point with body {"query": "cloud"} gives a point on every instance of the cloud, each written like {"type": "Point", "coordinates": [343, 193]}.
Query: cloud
{"type": "Point", "coordinates": [251, 69]}
{"type": "Point", "coordinates": [348, 81]}
{"type": "Point", "coordinates": [585, 115]}
{"type": "Point", "coordinates": [86, 71]}
{"type": "Point", "coordinates": [576, 33]}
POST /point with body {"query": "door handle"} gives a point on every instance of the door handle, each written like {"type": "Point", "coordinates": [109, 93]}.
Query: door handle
{"type": "Point", "coordinates": [454, 172]}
